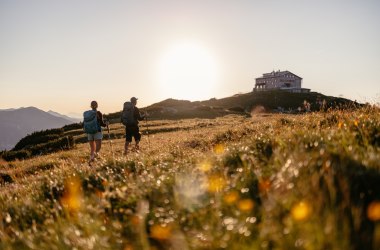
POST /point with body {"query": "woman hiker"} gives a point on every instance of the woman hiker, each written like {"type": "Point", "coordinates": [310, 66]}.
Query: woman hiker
{"type": "Point", "coordinates": [94, 134]}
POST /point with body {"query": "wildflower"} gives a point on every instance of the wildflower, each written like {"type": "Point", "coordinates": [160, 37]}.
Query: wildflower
{"type": "Point", "coordinates": [301, 211]}
{"type": "Point", "coordinates": [219, 149]}
{"type": "Point", "coordinates": [161, 232]}
{"type": "Point", "coordinates": [231, 197]}
{"type": "Point", "coordinates": [128, 247]}
{"type": "Point", "coordinates": [216, 183]}
{"type": "Point", "coordinates": [72, 198]}
{"type": "Point", "coordinates": [99, 193]}
{"type": "Point", "coordinates": [246, 205]}
{"type": "Point", "coordinates": [264, 185]}
{"type": "Point", "coordinates": [205, 166]}
{"type": "Point", "coordinates": [135, 220]}
{"type": "Point", "coordinates": [8, 218]}
{"type": "Point", "coordinates": [105, 183]}
{"type": "Point", "coordinates": [373, 211]}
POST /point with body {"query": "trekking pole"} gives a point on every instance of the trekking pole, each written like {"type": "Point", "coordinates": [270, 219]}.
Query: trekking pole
{"type": "Point", "coordinates": [109, 138]}
{"type": "Point", "coordinates": [147, 127]}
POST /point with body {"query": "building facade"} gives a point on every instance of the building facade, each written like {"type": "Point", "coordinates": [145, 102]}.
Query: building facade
{"type": "Point", "coordinates": [283, 80]}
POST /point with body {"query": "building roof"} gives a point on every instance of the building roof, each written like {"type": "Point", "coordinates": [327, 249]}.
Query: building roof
{"type": "Point", "coordinates": [276, 74]}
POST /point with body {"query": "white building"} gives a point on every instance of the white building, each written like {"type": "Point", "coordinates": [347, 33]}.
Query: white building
{"type": "Point", "coordinates": [284, 80]}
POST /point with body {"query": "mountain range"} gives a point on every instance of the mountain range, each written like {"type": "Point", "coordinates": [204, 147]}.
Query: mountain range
{"type": "Point", "coordinates": [17, 123]}
{"type": "Point", "coordinates": [74, 120]}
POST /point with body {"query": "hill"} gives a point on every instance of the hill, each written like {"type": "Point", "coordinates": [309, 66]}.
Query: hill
{"type": "Point", "coordinates": [240, 104]}
{"type": "Point", "coordinates": [270, 101]}
{"type": "Point", "coordinates": [17, 123]}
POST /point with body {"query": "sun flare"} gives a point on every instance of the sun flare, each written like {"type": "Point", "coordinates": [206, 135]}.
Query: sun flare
{"type": "Point", "coordinates": [187, 71]}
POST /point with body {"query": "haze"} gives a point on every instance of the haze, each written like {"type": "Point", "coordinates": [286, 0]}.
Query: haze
{"type": "Point", "coordinates": [60, 55]}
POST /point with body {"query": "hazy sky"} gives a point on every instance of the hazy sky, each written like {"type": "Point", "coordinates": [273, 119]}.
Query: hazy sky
{"type": "Point", "coordinates": [60, 55]}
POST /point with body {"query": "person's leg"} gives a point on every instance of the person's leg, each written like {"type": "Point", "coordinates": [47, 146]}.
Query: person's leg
{"type": "Point", "coordinates": [137, 137]}
{"type": "Point", "coordinates": [98, 146]}
{"type": "Point", "coordinates": [128, 140]}
{"type": "Point", "coordinates": [98, 142]}
{"type": "Point", "coordinates": [137, 147]}
{"type": "Point", "coordinates": [92, 149]}
{"type": "Point", "coordinates": [126, 145]}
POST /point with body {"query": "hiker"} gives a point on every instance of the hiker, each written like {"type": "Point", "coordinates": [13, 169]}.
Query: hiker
{"type": "Point", "coordinates": [130, 118]}
{"type": "Point", "coordinates": [93, 123]}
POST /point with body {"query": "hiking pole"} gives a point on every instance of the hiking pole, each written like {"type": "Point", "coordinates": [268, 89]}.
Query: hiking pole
{"type": "Point", "coordinates": [109, 139]}
{"type": "Point", "coordinates": [147, 128]}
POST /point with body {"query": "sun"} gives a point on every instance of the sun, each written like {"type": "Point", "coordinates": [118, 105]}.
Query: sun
{"type": "Point", "coordinates": [187, 71]}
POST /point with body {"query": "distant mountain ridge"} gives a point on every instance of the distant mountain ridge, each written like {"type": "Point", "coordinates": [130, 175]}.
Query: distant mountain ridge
{"type": "Point", "coordinates": [17, 123]}
{"type": "Point", "coordinates": [74, 120]}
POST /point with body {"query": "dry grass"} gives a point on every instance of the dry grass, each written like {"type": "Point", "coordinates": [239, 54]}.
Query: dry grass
{"type": "Point", "coordinates": [267, 182]}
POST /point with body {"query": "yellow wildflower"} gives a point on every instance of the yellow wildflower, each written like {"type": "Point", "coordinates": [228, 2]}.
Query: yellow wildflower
{"type": "Point", "coordinates": [301, 211]}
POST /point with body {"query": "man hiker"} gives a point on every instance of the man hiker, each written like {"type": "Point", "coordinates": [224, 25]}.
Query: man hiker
{"type": "Point", "coordinates": [130, 118]}
{"type": "Point", "coordinates": [93, 123]}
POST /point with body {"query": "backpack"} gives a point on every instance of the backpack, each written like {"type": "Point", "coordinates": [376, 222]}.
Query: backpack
{"type": "Point", "coordinates": [90, 122]}
{"type": "Point", "coordinates": [127, 116]}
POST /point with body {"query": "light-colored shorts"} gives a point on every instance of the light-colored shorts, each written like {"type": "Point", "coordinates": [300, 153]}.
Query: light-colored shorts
{"type": "Point", "coordinates": [93, 137]}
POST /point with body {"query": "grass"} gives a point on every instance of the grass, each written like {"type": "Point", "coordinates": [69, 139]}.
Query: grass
{"type": "Point", "coordinates": [275, 181]}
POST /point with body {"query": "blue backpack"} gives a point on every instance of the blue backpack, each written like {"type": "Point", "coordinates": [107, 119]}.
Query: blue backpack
{"type": "Point", "coordinates": [90, 122]}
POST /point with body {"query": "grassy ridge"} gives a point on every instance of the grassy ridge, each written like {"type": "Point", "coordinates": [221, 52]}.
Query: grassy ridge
{"type": "Point", "coordinates": [51, 140]}
{"type": "Point", "coordinates": [267, 182]}
{"type": "Point", "coordinates": [237, 104]}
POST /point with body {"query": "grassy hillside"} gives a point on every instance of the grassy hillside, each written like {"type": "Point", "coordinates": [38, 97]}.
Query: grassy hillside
{"type": "Point", "coordinates": [237, 104]}
{"type": "Point", "coordinates": [48, 141]}
{"type": "Point", "coordinates": [270, 181]}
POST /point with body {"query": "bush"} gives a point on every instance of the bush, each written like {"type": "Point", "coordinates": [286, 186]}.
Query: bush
{"type": "Point", "coordinates": [113, 117]}
{"type": "Point", "coordinates": [5, 178]}
{"type": "Point", "coordinates": [236, 109]}
{"type": "Point", "coordinates": [203, 108]}
{"type": "Point", "coordinates": [64, 143]}
{"type": "Point", "coordinates": [73, 126]}
{"type": "Point", "coordinates": [29, 142]}
{"type": "Point", "coordinates": [13, 155]}
{"type": "Point", "coordinates": [39, 137]}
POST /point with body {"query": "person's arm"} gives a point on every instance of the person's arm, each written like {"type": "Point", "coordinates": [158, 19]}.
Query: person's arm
{"type": "Point", "coordinates": [138, 115]}
{"type": "Point", "coordinates": [100, 119]}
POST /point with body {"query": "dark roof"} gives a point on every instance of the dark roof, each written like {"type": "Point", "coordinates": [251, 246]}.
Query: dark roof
{"type": "Point", "coordinates": [274, 74]}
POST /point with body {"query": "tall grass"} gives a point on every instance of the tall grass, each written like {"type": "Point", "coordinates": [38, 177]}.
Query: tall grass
{"type": "Point", "coordinates": [267, 182]}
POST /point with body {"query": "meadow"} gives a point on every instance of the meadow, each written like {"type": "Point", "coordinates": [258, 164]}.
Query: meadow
{"type": "Point", "coordinates": [268, 181]}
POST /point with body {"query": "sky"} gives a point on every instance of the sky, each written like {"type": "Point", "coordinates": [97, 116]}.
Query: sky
{"type": "Point", "coordinates": [61, 55]}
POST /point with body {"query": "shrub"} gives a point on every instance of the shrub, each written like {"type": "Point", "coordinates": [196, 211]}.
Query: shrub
{"type": "Point", "coordinates": [5, 178]}
{"type": "Point", "coordinates": [13, 155]}
{"type": "Point", "coordinates": [64, 143]}
{"type": "Point", "coordinates": [39, 137]}
{"type": "Point", "coordinates": [236, 109]}
{"type": "Point", "coordinates": [73, 126]}
{"type": "Point", "coordinates": [203, 108]}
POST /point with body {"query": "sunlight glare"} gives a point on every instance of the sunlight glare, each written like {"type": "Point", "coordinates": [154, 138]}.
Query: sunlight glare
{"type": "Point", "coordinates": [187, 71]}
